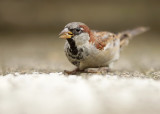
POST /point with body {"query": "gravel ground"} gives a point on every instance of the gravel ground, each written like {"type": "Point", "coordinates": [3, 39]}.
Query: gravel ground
{"type": "Point", "coordinates": [55, 93]}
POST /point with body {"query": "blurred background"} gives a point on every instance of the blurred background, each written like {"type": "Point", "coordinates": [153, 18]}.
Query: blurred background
{"type": "Point", "coordinates": [29, 32]}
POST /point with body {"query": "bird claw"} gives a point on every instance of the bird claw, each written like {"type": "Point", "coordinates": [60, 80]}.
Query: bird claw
{"type": "Point", "coordinates": [66, 72]}
{"type": "Point", "coordinates": [101, 70]}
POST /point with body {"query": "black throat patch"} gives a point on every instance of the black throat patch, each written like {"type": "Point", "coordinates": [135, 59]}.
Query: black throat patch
{"type": "Point", "coordinates": [73, 47]}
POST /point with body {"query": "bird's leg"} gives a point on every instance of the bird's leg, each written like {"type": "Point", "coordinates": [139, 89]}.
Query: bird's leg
{"type": "Point", "coordinates": [97, 70]}
{"type": "Point", "coordinates": [71, 72]}
{"type": "Point", "coordinates": [91, 70]}
{"type": "Point", "coordinates": [102, 70]}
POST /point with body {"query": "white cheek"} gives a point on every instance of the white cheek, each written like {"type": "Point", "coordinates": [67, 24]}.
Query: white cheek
{"type": "Point", "coordinates": [81, 39]}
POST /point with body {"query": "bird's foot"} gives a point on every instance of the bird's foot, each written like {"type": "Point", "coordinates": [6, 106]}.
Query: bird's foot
{"type": "Point", "coordinates": [75, 71]}
{"type": "Point", "coordinates": [101, 70]}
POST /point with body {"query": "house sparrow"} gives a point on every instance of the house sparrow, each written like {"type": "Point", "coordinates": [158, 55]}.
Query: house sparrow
{"type": "Point", "coordinates": [93, 51]}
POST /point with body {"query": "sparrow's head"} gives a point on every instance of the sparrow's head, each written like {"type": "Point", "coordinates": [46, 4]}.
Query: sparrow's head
{"type": "Point", "coordinates": [74, 29]}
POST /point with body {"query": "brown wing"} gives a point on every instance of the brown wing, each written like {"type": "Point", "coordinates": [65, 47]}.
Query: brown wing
{"type": "Point", "coordinates": [101, 39]}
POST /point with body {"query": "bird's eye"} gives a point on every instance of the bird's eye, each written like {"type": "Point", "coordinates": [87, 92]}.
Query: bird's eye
{"type": "Point", "coordinates": [78, 29]}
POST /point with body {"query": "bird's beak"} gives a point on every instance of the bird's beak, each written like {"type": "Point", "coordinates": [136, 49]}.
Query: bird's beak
{"type": "Point", "coordinates": [65, 34]}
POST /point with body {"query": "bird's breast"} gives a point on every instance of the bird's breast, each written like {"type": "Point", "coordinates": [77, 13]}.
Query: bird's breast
{"type": "Point", "coordinates": [88, 56]}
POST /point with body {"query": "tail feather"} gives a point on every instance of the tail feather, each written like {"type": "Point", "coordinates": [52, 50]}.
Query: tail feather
{"type": "Point", "coordinates": [125, 36]}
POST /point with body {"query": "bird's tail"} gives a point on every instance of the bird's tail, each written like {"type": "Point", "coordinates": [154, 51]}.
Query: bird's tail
{"type": "Point", "coordinates": [125, 36]}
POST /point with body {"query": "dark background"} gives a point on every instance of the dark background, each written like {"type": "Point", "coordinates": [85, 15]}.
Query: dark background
{"type": "Point", "coordinates": [51, 15]}
{"type": "Point", "coordinates": [29, 32]}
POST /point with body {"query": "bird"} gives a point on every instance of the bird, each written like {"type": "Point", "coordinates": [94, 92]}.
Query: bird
{"type": "Point", "coordinates": [93, 51]}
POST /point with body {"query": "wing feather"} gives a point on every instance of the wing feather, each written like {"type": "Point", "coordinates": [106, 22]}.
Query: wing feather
{"type": "Point", "coordinates": [103, 38]}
